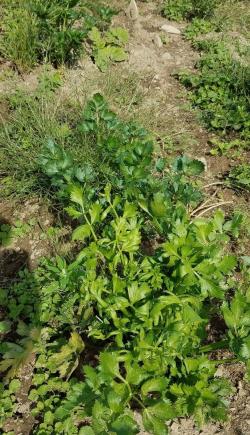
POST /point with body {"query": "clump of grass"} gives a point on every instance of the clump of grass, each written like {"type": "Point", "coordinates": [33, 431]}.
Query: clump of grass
{"type": "Point", "coordinates": [34, 118]}
{"type": "Point", "coordinates": [179, 10]}
{"type": "Point", "coordinates": [236, 14]}
{"type": "Point", "coordinates": [19, 41]}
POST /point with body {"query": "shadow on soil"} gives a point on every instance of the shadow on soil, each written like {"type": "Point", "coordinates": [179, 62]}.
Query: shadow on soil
{"type": "Point", "coordinates": [12, 262]}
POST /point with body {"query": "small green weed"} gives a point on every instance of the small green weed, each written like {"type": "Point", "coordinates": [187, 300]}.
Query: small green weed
{"type": "Point", "coordinates": [221, 147]}
{"type": "Point", "coordinates": [5, 234]}
{"type": "Point", "coordinates": [108, 47]}
{"type": "Point", "coordinates": [8, 398]}
{"type": "Point", "coordinates": [19, 229]}
{"type": "Point", "coordinates": [239, 177]}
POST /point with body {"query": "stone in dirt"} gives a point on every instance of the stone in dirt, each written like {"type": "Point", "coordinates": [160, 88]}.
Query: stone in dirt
{"type": "Point", "coordinates": [170, 29]}
{"type": "Point", "coordinates": [157, 41]}
{"type": "Point", "coordinates": [167, 56]}
{"type": "Point", "coordinates": [132, 11]}
{"type": "Point", "coordinates": [204, 161]}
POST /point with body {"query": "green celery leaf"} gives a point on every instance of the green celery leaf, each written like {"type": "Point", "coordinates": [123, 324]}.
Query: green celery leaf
{"type": "Point", "coordinates": [109, 363]}
{"type": "Point", "coordinates": [95, 212]}
{"type": "Point", "coordinates": [76, 195]}
{"type": "Point", "coordinates": [155, 384]}
{"type": "Point", "coordinates": [82, 232]}
{"type": "Point", "coordinates": [125, 425]}
{"type": "Point", "coordinates": [86, 430]}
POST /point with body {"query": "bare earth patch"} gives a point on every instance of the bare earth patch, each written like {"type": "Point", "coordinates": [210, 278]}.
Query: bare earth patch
{"type": "Point", "coordinates": [26, 250]}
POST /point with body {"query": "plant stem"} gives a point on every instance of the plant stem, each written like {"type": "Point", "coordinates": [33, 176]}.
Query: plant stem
{"type": "Point", "coordinates": [91, 227]}
{"type": "Point", "coordinates": [223, 344]}
{"type": "Point", "coordinates": [213, 206]}
{"type": "Point", "coordinates": [216, 183]}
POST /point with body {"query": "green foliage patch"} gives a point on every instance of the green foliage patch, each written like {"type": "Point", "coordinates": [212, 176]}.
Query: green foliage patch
{"type": "Point", "coordinates": [122, 324]}
{"type": "Point", "coordinates": [239, 176]}
{"type": "Point", "coordinates": [198, 27]}
{"type": "Point", "coordinates": [8, 232]}
{"type": "Point", "coordinates": [49, 30]}
{"type": "Point", "coordinates": [220, 88]}
{"type": "Point", "coordinates": [108, 47]}
{"type": "Point", "coordinates": [179, 10]}
{"type": "Point", "coordinates": [126, 153]}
